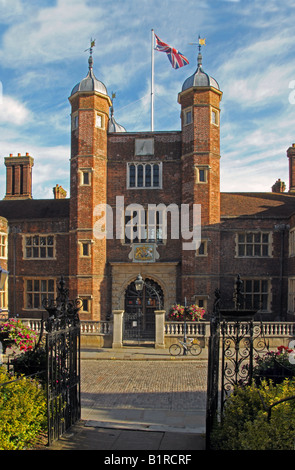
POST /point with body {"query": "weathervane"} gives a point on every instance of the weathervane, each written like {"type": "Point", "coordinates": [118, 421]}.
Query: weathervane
{"type": "Point", "coordinates": [92, 44]}
{"type": "Point", "coordinates": [201, 42]}
{"type": "Point", "coordinates": [90, 49]}
{"type": "Point", "coordinates": [112, 107]}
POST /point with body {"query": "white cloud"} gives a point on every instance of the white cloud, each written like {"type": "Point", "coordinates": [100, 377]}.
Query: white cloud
{"type": "Point", "coordinates": [14, 112]}
{"type": "Point", "coordinates": [258, 72]}
{"type": "Point", "coordinates": [51, 34]}
{"type": "Point", "coordinates": [10, 14]}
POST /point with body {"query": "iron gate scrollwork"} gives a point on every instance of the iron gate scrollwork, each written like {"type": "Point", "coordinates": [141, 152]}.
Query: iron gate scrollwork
{"type": "Point", "coordinates": [239, 340]}
{"type": "Point", "coordinates": [63, 362]}
{"type": "Point", "coordinates": [242, 342]}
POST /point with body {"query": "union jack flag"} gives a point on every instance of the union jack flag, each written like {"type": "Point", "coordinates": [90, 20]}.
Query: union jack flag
{"type": "Point", "coordinates": [176, 58]}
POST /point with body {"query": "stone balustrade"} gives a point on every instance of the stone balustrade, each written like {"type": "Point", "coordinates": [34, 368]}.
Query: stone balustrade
{"type": "Point", "coordinates": [102, 333]}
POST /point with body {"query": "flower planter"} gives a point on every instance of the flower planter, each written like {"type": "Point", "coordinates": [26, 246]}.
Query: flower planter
{"type": "Point", "coordinates": [240, 315]}
{"type": "Point", "coordinates": [180, 313]}
{"type": "Point", "coordinates": [276, 375]}
{"type": "Point", "coordinates": [274, 366]}
{"type": "Point", "coordinates": [6, 343]}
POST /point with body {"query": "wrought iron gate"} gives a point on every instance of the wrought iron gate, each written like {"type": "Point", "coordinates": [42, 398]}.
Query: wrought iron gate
{"type": "Point", "coordinates": [238, 339]}
{"type": "Point", "coordinates": [139, 316]}
{"type": "Point", "coordinates": [63, 363]}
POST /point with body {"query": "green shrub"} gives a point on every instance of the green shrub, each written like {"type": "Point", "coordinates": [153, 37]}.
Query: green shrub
{"type": "Point", "coordinates": [22, 412]}
{"type": "Point", "coordinates": [245, 424]}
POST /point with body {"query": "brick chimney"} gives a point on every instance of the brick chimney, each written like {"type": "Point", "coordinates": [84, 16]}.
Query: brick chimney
{"type": "Point", "coordinates": [278, 187]}
{"type": "Point", "coordinates": [291, 156]}
{"type": "Point", "coordinates": [59, 192]}
{"type": "Point", "coordinates": [19, 176]}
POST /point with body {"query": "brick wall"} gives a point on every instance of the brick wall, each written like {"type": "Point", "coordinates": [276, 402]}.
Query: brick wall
{"type": "Point", "coordinates": [21, 269]}
{"type": "Point", "coordinates": [274, 267]}
{"type": "Point", "coordinates": [121, 150]}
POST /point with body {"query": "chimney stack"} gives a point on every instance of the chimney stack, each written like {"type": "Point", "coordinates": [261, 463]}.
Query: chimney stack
{"type": "Point", "coordinates": [19, 176]}
{"type": "Point", "coordinates": [291, 156]}
{"type": "Point", "coordinates": [278, 187]}
{"type": "Point", "coordinates": [59, 192]}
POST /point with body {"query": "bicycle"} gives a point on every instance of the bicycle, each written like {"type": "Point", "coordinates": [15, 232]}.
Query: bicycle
{"type": "Point", "coordinates": [192, 345]}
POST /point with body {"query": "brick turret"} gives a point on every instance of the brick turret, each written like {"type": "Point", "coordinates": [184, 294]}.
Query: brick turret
{"type": "Point", "coordinates": [200, 113]}
{"type": "Point", "coordinates": [90, 114]}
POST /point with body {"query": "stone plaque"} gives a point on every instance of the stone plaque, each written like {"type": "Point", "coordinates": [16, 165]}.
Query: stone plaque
{"type": "Point", "coordinates": [144, 146]}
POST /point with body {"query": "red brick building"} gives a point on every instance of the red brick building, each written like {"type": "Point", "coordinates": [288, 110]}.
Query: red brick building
{"type": "Point", "coordinates": [252, 234]}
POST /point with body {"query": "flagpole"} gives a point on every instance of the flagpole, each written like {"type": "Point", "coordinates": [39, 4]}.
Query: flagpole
{"type": "Point", "coordinates": [152, 84]}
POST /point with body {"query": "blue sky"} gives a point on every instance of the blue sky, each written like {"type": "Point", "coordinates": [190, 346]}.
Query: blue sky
{"type": "Point", "coordinates": [249, 51]}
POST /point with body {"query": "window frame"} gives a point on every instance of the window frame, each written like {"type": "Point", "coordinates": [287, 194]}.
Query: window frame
{"type": "Point", "coordinates": [197, 298]}
{"type": "Point", "coordinates": [39, 246]}
{"type": "Point", "coordinates": [3, 245]}
{"type": "Point", "coordinates": [84, 171]}
{"type": "Point", "coordinates": [254, 244]}
{"type": "Point", "coordinates": [205, 169]}
{"type": "Point", "coordinates": [144, 225]}
{"type": "Point", "coordinates": [259, 292]}
{"type": "Point", "coordinates": [215, 112]}
{"type": "Point", "coordinates": [187, 112]}
{"type": "Point", "coordinates": [48, 294]}
{"type": "Point", "coordinates": [88, 298]}
{"type": "Point", "coordinates": [4, 297]}
{"type": "Point", "coordinates": [205, 249]}
{"type": "Point", "coordinates": [88, 243]}
{"type": "Point", "coordinates": [101, 116]}
{"type": "Point", "coordinates": [144, 166]}
{"type": "Point", "coordinates": [291, 250]}
{"type": "Point", "coordinates": [75, 121]}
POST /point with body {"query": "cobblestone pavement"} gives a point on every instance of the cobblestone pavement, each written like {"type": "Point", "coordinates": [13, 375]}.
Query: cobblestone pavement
{"type": "Point", "coordinates": [144, 384]}
{"type": "Point", "coordinates": [140, 405]}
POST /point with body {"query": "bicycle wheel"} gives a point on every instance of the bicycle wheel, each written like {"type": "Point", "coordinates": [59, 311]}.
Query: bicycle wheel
{"type": "Point", "coordinates": [195, 349]}
{"type": "Point", "coordinates": [175, 349]}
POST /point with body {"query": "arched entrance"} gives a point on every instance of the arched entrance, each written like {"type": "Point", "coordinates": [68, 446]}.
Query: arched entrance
{"type": "Point", "coordinates": [139, 316]}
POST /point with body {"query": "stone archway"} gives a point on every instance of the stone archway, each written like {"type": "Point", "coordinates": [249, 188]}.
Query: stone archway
{"type": "Point", "coordinates": [165, 274]}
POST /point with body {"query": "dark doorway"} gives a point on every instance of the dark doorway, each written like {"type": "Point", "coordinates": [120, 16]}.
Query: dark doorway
{"type": "Point", "coordinates": [139, 316]}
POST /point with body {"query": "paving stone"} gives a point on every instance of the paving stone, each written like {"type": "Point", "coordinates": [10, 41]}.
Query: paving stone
{"type": "Point", "coordinates": [167, 398]}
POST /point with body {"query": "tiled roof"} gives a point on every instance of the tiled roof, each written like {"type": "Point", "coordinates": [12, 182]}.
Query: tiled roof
{"type": "Point", "coordinates": [261, 205]}
{"type": "Point", "coordinates": [35, 209]}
